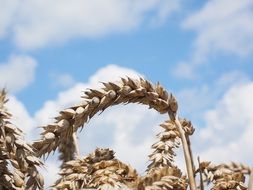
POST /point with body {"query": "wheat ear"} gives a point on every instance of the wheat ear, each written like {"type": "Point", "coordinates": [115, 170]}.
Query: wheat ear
{"type": "Point", "coordinates": [163, 154]}
{"type": "Point", "coordinates": [98, 170]}
{"type": "Point", "coordinates": [126, 91]}
{"type": "Point", "coordinates": [19, 154]}
{"type": "Point", "coordinates": [225, 176]}
{"type": "Point", "coordinates": [169, 178]}
{"type": "Point", "coordinates": [162, 158]}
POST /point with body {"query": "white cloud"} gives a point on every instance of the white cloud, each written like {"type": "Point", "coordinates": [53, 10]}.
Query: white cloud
{"type": "Point", "coordinates": [35, 24]}
{"type": "Point", "coordinates": [50, 171]}
{"type": "Point", "coordinates": [128, 130]}
{"type": "Point", "coordinates": [194, 99]}
{"type": "Point", "coordinates": [184, 70]}
{"type": "Point", "coordinates": [7, 10]}
{"type": "Point", "coordinates": [112, 73]}
{"type": "Point", "coordinates": [222, 27]}
{"type": "Point", "coordinates": [62, 80]}
{"type": "Point", "coordinates": [17, 73]}
{"type": "Point", "coordinates": [229, 127]}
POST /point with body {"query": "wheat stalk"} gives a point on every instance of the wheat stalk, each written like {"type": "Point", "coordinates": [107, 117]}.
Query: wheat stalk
{"type": "Point", "coordinates": [19, 154]}
{"type": "Point", "coordinates": [187, 155]}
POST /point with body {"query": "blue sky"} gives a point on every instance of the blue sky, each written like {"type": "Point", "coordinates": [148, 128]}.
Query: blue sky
{"type": "Point", "coordinates": [152, 49]}
{"type": "Point", "coordinates": [200, 51]}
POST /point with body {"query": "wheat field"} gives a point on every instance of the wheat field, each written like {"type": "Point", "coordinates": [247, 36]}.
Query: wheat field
{"type": "Point", "coordinates": [20, 160]}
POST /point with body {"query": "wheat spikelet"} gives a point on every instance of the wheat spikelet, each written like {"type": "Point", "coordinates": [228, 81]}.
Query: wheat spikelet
{"type": "Point", "coordinates": [126, 91]}
{"type": "Point", "coordinates": [225, 176]}
{"type": "Point", "coordinates": [237, 167]}
{"type": "Point", "coordinates": [163, 154]}
{"type": "Point", "coordinates": [162, 174]}
{"type": "Point", "coordinates": [163, 178]}
{"type": "Point", "coordinates": [6, 177]}
{"type": "Point", "coordinates": [15, 151]}
{"type": "Point", "coordinates": [99, 170]}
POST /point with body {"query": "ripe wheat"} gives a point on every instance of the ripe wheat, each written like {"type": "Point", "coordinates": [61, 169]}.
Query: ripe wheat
{"type": "Point", "coordinates": [16, 152]}
{"type": "Point", "coordinates": [100, 169]}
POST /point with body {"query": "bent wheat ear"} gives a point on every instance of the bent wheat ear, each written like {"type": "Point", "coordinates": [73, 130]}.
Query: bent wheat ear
{"type": "Point", "coordinates": [126, 91]}
{"type": "Point", "coordinates": [15, 151]}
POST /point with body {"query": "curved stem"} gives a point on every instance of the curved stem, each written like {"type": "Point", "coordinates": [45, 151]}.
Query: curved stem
{"type": "Point", "coordinates": [187, 155]}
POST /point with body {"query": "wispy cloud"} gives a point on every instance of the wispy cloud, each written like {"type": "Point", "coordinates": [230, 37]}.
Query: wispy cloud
{"type": "Point", "coordinates": [34, 24]}
{"type": "Point", "coordinates": [227, 136]}
{"type": "Point", "coordinates": [197, 99]}
{"type": "Point", "coordinates": [17, 72]}
{"type": "Point", "coordinates": [64, 80]}
{"type": "Point", "coordinates": [222, 27]}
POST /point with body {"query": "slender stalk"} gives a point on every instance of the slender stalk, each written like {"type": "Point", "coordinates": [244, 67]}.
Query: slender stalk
{"type": "Point", "coordinates": [187, 155]}
{"type": "Point", "coordinates": [250, 186]}
{"type": "Point", "coordinates": [201, 177]}
{"type": "Point", "coordinates": [76, 145]}
{"type": "Point", "coordinates": [191, 155]}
